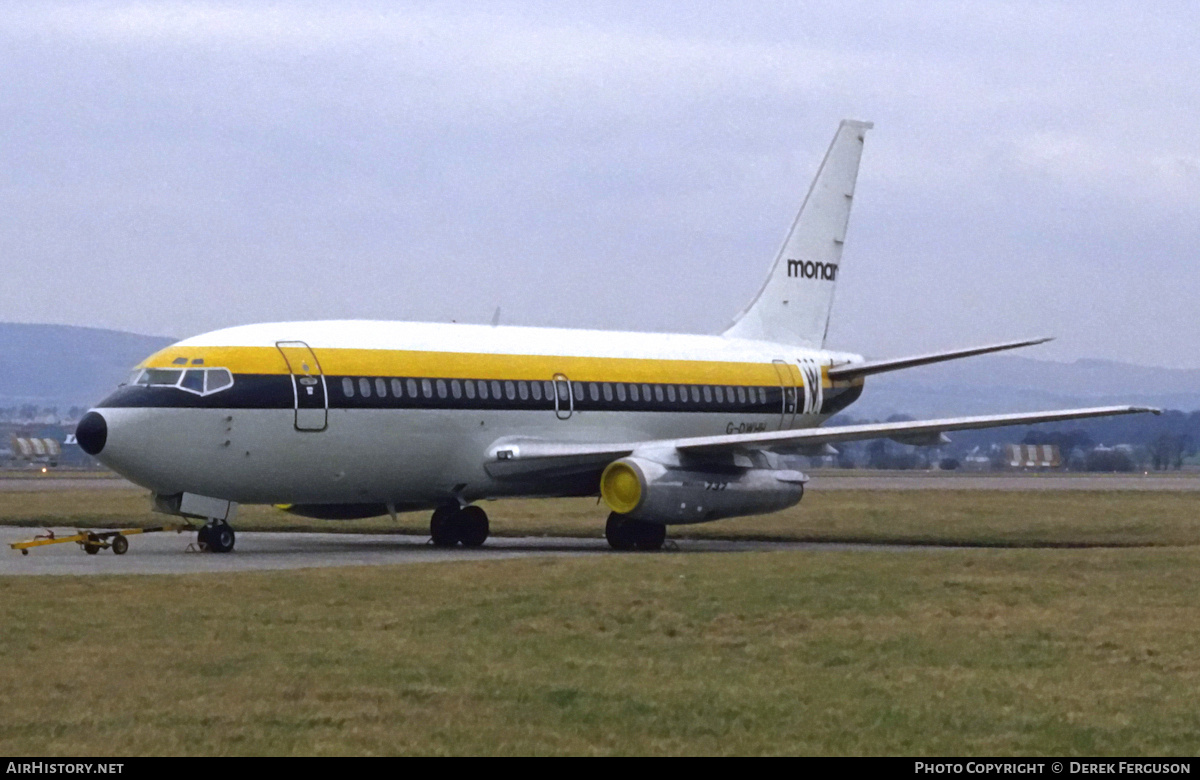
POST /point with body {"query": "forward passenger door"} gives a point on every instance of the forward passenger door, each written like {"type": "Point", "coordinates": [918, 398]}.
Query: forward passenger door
{"type": "Point", "coordinates": [308, 386]}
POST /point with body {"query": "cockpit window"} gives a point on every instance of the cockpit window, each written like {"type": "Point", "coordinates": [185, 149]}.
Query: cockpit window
{"type": "Point", "coordinates": [218, 379]}
{"type": "Point", "coordinates": [157, 377]}
{"type": "Point", "coordinates": [200, 381]}
{"type": "Point", "coordinates": [193, 380]}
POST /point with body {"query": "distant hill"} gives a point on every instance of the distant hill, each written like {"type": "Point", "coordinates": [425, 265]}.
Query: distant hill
{"type": "Point", "coordinates": [63, 365]}
{"type": "Point", "coordinates": [1006, 383]}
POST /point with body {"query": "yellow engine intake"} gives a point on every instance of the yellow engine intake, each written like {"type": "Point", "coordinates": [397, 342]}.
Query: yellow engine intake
{"type": "Point", "coordinates": [621, 487]}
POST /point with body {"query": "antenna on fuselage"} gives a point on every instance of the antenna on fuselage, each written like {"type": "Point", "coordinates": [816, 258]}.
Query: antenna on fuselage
{"type": "Point", "coordinates": [496, 317]}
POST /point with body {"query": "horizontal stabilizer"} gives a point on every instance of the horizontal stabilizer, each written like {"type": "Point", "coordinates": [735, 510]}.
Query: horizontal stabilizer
{"type": "Point", "coordinates": [854, 370]}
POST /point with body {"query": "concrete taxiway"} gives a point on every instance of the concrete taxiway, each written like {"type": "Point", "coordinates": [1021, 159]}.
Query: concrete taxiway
{"type": "Point", "coordinates": [168, 553]}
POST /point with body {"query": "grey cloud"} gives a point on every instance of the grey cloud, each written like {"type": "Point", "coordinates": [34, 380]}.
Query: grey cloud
{"type": "Point", "coordinates": [174, 167]}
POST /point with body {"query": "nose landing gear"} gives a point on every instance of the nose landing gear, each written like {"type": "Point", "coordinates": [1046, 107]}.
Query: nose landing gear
{"type": "Point", "coordinates": [451, 525]}
{"type": "Point", "coordinates": [216, 536]}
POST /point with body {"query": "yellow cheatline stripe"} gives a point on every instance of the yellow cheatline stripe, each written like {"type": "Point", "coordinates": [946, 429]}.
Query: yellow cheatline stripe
{"type": "Point", "coordinates": [471, 365]}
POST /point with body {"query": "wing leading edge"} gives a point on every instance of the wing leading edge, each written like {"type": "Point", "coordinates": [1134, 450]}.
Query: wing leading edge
{"type": "Point", "coordinates": [526, 458]}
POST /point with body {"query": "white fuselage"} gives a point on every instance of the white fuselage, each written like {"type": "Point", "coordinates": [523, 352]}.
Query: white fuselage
{"type": "Point", "coordinates": [422, 441]}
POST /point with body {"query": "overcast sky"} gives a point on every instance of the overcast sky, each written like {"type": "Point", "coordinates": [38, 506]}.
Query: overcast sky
{"type": "Point", "coordinates": [175, 167]}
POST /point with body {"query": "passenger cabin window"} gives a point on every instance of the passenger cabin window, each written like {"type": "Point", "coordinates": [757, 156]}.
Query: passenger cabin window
{"type": "Point", "coordinates": [536, 389]}
{"type": "Point", "coordinates": [456, 388]}
{"type": "Point", "coordinates": [381, 388]}
{"type": "Point", "coordinates": [523, 390]}
{"type": "Point", "coordinates": [347, 387]}
{"type": "Point", "coordinates": [441, 388]}
{"type": "Point", "coordinates": [510, 390]}
{"type": "Point", "coordinates": [364, 387]}
{"type": "Point", "coordinates": [397, 388]}
{"type": "Point", "coordinates": [427, 388]}
{"type": "Point", "coordinates": [621, 391]}
{"type": "Point", "coordinates": [412, 388]}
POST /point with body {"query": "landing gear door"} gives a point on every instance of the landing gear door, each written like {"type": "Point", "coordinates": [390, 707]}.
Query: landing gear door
{"type": "Point", "coordinates": [787, 384]}
{"type": "Point", "coordinates": [308, 384]}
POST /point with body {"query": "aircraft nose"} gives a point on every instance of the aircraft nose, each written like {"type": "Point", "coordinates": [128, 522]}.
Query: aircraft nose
{"type": "Point", "coordinates": [92, 433]}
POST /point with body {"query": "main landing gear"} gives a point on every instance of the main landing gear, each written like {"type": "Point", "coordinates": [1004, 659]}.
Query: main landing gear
{"type": "Point", "coordinates": [624, 533]}
{"type": "Point", "coordinates": [451, 525]}
{"type": "Point", "coordinates": [216, 536]}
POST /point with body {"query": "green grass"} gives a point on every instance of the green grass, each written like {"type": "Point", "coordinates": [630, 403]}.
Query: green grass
{"type": "Point", "coordinates": [986, 652]}
{"type": "Point", "coordinates": [1035, 646]}
{"type": "Point", "coordinates": [957, 517]}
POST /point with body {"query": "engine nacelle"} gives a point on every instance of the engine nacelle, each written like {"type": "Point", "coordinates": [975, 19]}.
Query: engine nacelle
{"type": "Point", "coordinates": [645, 490]}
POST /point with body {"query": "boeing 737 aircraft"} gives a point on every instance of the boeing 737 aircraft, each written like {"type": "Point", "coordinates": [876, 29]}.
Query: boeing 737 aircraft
{"type": "Point", "coordinates": [350, 419]}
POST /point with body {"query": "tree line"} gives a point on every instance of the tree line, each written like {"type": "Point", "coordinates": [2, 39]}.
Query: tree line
{"type": "Point", "coordinates": [1124, 443]}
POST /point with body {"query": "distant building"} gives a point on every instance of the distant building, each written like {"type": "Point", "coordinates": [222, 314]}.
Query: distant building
{"type": "Point", "coordinates": [976, 460]}
{"type": "Point", "coordinates": [1033, 456]}
{"type": "Point", "coordinates": [34, 449]}
{"type": "Point", "coordinates": [49, 445]}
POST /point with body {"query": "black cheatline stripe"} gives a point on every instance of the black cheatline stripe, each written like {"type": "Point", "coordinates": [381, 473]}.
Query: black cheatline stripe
{"type": "Point", "coordinates": [249, 391]}
{"type": "Point", "coordinates": [838, 398]}
{"type": "Point", "coordinates": [275, 391]}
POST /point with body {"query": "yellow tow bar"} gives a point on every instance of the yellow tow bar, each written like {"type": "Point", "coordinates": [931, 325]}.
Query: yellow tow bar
{"type": "Point", "coordinates": [93, 542]}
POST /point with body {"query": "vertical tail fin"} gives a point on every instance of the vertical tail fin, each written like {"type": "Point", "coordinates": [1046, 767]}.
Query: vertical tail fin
{"type": "Point", "coordinates": [793, 305]}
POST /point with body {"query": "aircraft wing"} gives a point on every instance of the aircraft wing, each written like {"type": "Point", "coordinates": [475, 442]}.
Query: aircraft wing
{"type": "Point", "coordinates": [783, 440]}
{"type": "Point", "coordinates": [526, 458]}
